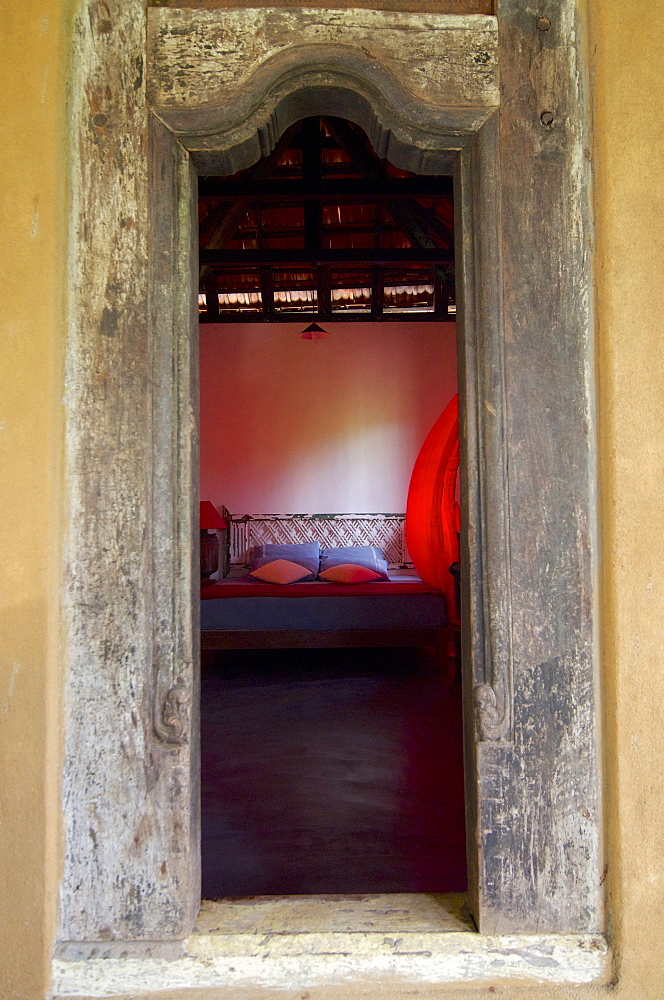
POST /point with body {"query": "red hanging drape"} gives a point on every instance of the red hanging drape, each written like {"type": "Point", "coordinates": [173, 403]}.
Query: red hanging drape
{"type": "Point", "coordinates": [432, 511]}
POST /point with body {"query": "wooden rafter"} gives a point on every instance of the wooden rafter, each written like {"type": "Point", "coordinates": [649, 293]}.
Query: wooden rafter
{"type": "Point", "coordinates": [393, 215]}
{"type": "Point", "coordinates": [324, 290]}
{"type": "Point", "coordinates": [405, 214]}
{"type": "Point", "coordinates": [366, 229]}
{"type": "Point", "coordinates": [377, 292]}
{"type": "Point", "coordinates": [432, 224]}
{"type": "Point", "coordinates": [335, 190]}
{"type": "Point", "coordinates": [221, 224]}
{"type": "Point", "coordinates": [311, 171]}
{"type": "Point", "coordinates": [336, 316]}
{"type": "Point", "coordinates": [383, 255]}
{"type": "Point", "coordinates": [267, 292]}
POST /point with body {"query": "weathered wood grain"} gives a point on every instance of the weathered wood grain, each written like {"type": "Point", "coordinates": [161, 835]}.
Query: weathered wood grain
{"type": "Point", "coordinates": [417, 6]}
{"type": "Point", "coordinates": [539, 815]}
{"type": "Point", "coordinates": [486, 595]}
{"type": "Point", "coordinates": [130, 831]}
{"type": "Point", "coordinates": [130, 779]}
{"type": "Point", "coordinates": [206, 58]}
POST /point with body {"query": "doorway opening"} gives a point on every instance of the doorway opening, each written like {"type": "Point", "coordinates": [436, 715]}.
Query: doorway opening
{"type": "Point", "coordinates": [331, 724]}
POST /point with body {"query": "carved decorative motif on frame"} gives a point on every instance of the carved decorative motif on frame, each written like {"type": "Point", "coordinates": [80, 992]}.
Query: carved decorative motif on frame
{"type": "Point", "coordinates": [171, 717]}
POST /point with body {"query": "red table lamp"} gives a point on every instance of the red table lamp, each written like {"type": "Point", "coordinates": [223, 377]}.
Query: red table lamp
{"type": "Point", "coordinates": [211, 522]}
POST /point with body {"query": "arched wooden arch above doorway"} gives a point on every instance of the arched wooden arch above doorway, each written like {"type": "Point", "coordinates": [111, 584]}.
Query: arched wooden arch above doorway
{"type": "Point", "coordinates": [222, 86]}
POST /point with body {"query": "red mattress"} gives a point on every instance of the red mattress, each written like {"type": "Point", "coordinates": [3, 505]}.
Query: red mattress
{"type": "Point", "coordinates": [316, 588]}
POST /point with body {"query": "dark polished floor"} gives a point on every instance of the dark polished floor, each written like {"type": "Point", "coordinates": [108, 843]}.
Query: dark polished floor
{"type": "Point", "coordinates": [330, 771]}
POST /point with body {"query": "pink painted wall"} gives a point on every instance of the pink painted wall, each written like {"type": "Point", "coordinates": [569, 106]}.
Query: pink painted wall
{"type": "Point", "coordinates": [296, 426]}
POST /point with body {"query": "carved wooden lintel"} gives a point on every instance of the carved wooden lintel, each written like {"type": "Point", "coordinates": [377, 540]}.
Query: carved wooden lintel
{"type": "Point", "coordinates": [228, 104]}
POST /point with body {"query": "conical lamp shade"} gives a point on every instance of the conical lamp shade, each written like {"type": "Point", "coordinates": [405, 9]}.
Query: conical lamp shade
{"type": "Point", "coordinates": [211, 518]}
{"type": "Point", "coordinates": [314, 332]}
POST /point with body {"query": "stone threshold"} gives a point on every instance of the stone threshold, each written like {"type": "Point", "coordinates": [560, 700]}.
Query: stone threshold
{"type": "Point", "coordinates": [329, 940]}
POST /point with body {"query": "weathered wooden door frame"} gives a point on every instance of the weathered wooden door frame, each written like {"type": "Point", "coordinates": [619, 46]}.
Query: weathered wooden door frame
{"type": "Point", "coordinates": [529, 693]}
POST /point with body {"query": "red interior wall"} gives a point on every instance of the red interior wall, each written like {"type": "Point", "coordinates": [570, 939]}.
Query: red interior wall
{"type": "Point", "coordinates": [290, 425]}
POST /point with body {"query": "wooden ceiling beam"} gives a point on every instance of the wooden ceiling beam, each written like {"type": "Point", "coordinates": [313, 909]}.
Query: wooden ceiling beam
{"type": "Point", "coordinates": [324, 289]}
{"type": "Point", "coordinates": [441, 295]}
{"type": "Point", "coordinates": [284, 316]}
{"type": "Point", "coordinates": [267, 292]}
{"type": "Point", "coordinates": [306, 258]}
{"type": "Point", "coordinates": [260, 187]}
{"type": "Point", "coordinates": [377, 292]}
{"type": "Point", "coordinates": [280, 281]}
{"type": "Point", "coordinates": [311, 171]}
{"type": "Point", "coordinates": [409, 225]}
{"type": "Point", "coordinates": [404, 212]}
{"type": "Point", "coordinates": [222, 223]}
{"type": "Point", "coordinates": [333, 191]}
{"type": "Point", "coordinates": [361, 154]}
{"type": "Point", "coordinates": [211, 297]}
{"type": "Point", "coordinates": [431, 222]}
{"type": "Point", "coordinates": [348, 229]}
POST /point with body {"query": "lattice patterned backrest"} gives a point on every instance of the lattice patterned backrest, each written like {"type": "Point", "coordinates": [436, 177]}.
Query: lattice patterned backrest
{"type": "Point", "coordinates": [329, 530]}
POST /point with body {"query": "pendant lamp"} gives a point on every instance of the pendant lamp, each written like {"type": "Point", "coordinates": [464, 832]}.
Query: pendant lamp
{"type": "Point", "coordinates": [314, 332]}
{"type": "Point", "coordinates": [431, 511]}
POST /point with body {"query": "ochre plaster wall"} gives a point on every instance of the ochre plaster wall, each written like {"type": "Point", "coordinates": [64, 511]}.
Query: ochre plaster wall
{"type": "Point", "coordinates": [33, 58]}
{"type": "Point", "coordinates": [329, 426]}
{"type": "Point", "coordinates": [629, 198]}
{"type": "Point", "coordinates": [628, 150]}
